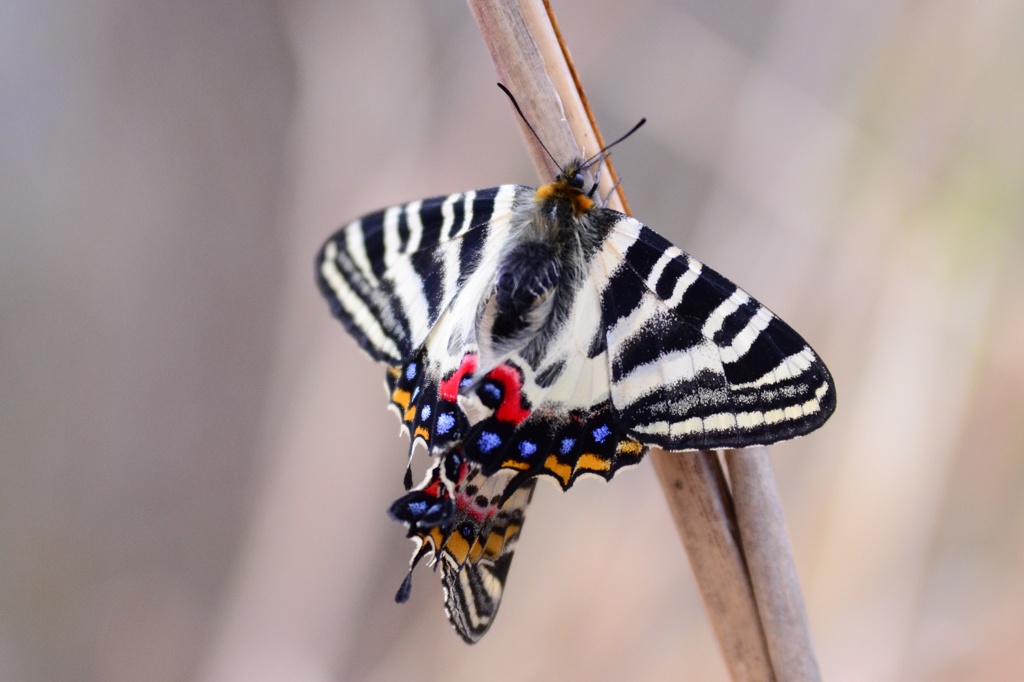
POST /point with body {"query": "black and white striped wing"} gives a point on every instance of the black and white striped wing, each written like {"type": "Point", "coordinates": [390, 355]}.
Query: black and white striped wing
{"type": "Point", "coordinates": [390, 275]}
{"type": "Point", "coordinates": [695, 362]}
{"type": "Point", "coordinates": [468, 523]}
{"type": "Point", "coordinates": [475, 560]}
{"type": "Point", "coordinates": [657, 349]}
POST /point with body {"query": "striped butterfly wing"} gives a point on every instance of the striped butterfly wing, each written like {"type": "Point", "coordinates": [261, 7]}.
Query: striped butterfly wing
{"type": "Point", "coordinates": [658, 350]}
{"type": "Point", "coordinates": [391, 275]}
{"type": "Point", "coordinates": [696, 363]}
{"type": "Point", "coordinates": [469, 524]}
{"type": "Point", "coordinates": [474, 579]}
{"type": "Point", "coordinates": [406, 282]}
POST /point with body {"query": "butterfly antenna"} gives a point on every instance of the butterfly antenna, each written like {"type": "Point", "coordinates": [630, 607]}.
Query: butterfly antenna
{"type": "Point", "coordinates": [535, 135]}
{"type": "Point", "coordinates": [604, 152]}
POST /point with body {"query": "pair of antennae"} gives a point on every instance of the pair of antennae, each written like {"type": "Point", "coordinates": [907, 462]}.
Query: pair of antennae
{"type": "Point", "coordinates": [599, 156]}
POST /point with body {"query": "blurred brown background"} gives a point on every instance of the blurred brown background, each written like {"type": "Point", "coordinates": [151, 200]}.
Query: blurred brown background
{"type": "Point", "coordinates": [196, 459]}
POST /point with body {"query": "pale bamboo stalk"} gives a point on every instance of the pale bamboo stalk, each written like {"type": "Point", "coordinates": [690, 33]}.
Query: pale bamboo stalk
{"type": "Point", "coordinates": [698, 496]}
{"type": "Point", "coordinates": [529, 61]}
{"type": "Point", "coordinates": [523, 41]}
{"type": "Point", "coordinates": [765, 542]}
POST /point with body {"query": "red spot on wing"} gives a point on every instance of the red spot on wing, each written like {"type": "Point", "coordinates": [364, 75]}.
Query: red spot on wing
{"type": "Point", "coordinates": [513, 406]}
{"type": "Point", "coordinates": [469, 507]}
{"type": "Point", "coordinates": [434, 489]}
{"type": "Point", "coordinates": [450, 387]}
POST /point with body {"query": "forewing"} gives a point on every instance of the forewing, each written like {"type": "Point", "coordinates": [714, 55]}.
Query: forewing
{"type": "Point", "coordinates": [389, 276]}
{"type": "Point", "coordinates": [696, 363]}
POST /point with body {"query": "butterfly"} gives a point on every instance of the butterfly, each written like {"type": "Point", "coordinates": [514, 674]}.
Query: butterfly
{"type": "Point", "coordinates": [534, 332]}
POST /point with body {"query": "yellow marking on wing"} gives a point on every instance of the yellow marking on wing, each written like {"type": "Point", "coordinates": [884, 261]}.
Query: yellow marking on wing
{"type": "Point", "coordinates": [562, 471]}
{"type": "Point", "coordinates": [495, 541]}
{"type": "Point", "coordinates": [458, 547]}
{"type": "Point", "coordinates": [515, 464]}
{"type": "Point", "coordinates": [630, 447]}
{"type": "Point", "coordinates": [435, 536]}
{"type": "Point", "coordinates": [401, 398]}
{"type": "Point", "coordinates": [591, 462]}
{"type": "Point", "coordinates": [410, 414]}
{"type": "Point", "coordinates": [422, 432]}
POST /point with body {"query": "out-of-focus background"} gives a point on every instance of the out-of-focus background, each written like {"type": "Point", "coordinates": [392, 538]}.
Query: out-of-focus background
{"type": "Point", "coordinates": [196, 459]}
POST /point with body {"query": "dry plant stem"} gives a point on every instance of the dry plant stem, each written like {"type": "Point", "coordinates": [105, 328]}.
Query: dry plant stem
{"type": "Point", "coordinates": [770, 563]}
{"type": "Point", "coordinates": [698, 496]}
{"type": "Point", "coordinates": [529, 60]}
{"type": "Point", "coordinates": [523, 42]}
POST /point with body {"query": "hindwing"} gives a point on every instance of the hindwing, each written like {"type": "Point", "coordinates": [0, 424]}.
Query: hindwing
{"type": "Point", "coordinates": [469, 524]}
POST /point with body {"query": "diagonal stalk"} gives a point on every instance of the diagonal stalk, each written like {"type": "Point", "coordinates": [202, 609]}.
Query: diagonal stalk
{"type": "Point", "coordinates": [744, 567]}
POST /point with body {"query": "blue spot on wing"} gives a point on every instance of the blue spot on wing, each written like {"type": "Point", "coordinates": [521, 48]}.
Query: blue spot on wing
{"type": "Point", "coordinates": [567, 445]}
{"type": "Point", "coordinates": [602, 432]}
{"type": "Point", "coordinates": [445, 422]}
{"type": "Point", "coordinates": [425, 412]}
{"type": "Point", "coordinates": [493, 392]}
{"type": "Point", "coordinates": [526, 449]}
{"type": "Point", "coordinates": [488, 441]}
{"type": "Point", "coordinates": [410, 371]}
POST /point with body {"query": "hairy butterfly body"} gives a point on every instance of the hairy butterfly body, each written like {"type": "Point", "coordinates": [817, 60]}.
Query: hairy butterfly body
{"type": "Point", "coordinates": [532, 332]}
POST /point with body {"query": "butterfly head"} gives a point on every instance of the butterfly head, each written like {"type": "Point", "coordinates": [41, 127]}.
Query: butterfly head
{"type": "Point", "coordinates": [572, 175]}
{"type": "Point", "coordinates": [567, 189]}
{"type": "Point", "coordinates": [569, 183]}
